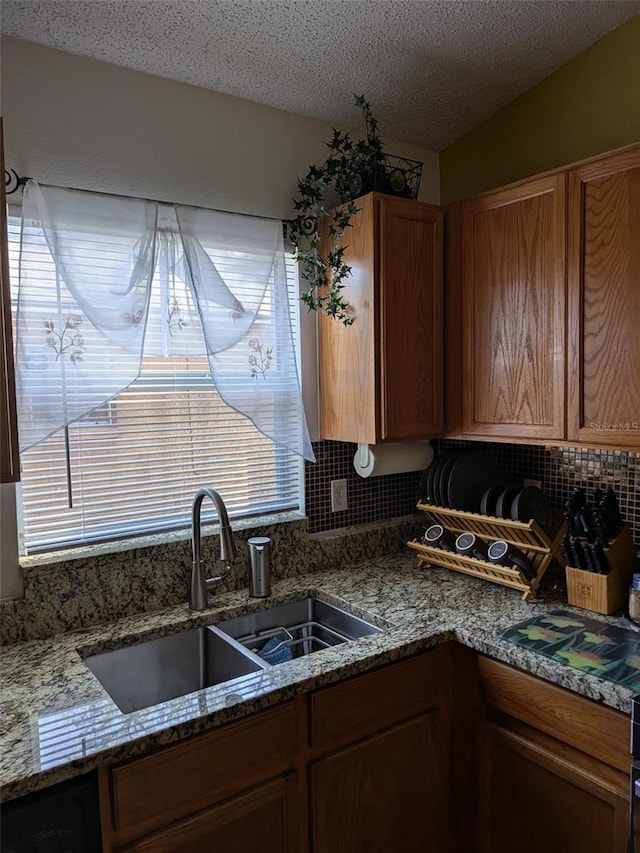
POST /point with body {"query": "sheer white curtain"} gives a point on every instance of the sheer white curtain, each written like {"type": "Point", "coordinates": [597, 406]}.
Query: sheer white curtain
{"type": "Point", "coordinates": [133, 277]}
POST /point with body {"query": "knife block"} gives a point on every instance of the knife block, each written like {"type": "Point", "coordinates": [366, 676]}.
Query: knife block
{"type": "Point", "coordinates": [605, 593]}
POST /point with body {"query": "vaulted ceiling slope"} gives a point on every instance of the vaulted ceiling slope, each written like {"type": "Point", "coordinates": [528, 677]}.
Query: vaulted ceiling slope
{"type": "Point", "coordinates": [432, 69]}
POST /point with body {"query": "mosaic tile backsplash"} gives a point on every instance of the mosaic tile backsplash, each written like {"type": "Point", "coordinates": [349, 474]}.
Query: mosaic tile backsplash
{"type": "Point", "coordinates": [64, 595]}
{"type": "Point", "coordinates": [370, 499]}
{"type": "Point", "coordinates": [559, 469]}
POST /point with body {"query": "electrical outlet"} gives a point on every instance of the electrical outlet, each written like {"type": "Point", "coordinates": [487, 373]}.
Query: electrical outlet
{"type": "Point", "coordinates": [536, 483]}
{"type": "Point", "coordinates": [339, 500]}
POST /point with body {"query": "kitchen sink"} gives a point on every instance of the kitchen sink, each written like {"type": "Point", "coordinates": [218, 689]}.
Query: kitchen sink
{"type": "Point", "coordinates": [296, 629]}
{"type": "Point", "coordinates": [155, 671]}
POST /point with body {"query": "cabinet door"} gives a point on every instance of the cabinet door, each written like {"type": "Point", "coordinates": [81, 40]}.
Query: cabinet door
{"type": "Point", "coordinates": [532, 799]}
{"type": "Point", "coordinates": [261, 820]}
{"type": "Point", "coordinates": [388, 792]}
{"type": "Point", "coordinates": [164, 786]}
{"type": "Point", "coordinates": [604, 301]}
{"type": "Point", "coordinates": [514, 312]}
{"type": "Point", "coordinates": [9, 461]}
{"type": "Point", "coordinates": [347, 354]}
{"type": "Point", "coordinates": [411, 320]}
{"type": "Point", "coordinates": [381, 378]}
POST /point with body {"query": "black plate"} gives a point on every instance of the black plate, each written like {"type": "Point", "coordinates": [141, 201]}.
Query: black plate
{"type": "Point", "coordinates": [437, 498]}
{"type": "Point", "coordinates": [530, 503]}
{"type": "Point", "coordinates": [489, 499]}
{"type": "Point", "coordinates": [471, 476]}
{"type": "Point", "coordinates": [505, 501]}
{"type": "Point", "coordinates": [449, 461]}
{"type": "Point", "coordinates": [431, 482]}
{"type": "Point", "coordinates": [421, 494]}
{"type": "Point", "coordinates": [425, 479]}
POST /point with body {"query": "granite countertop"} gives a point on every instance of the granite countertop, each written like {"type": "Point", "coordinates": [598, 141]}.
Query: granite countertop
{"type": "Point", "coordinates": [56, 721]}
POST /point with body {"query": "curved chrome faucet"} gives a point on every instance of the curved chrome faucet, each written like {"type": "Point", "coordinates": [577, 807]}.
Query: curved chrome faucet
{"type": "Point", "coordinates": [201, 587]}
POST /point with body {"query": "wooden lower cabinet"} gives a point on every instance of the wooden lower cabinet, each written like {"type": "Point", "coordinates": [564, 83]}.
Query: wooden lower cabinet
{"type": "Point", "coordinates": [442, 752]}
{"type": "Point", "coordinates": [535, 797]}
{"type": "Point", "coordinates": [552, 768]}
{"type": "Point", "coordinates": [385, 793]}
{"type": "Point", "coordinates": [357, 766]}
{"type": "Point", "coordinates": [263, 819]}
{"type": "Point", "coordinates": [234, 788]}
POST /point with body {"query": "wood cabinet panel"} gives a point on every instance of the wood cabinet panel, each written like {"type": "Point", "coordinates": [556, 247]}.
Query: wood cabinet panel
{"type": "Point", "coordinates": [180, 779]}
{"type": "Point", "coordinates": [356, 708]}
{"type": "Point", "coordinates": [514, 311]}
{"type": "Point", "coordinates": [533, 799]}
{"type": "Point", "coordinates": [261, 820]}
{"type": "Point", "coordinates": [411, 318]}
{"type": "Point", "coordinates": [9, 459]}
{"type": "Point", "coordinates": [592, 728]}
{"type": "Point", "coordinates": [347, 354]}
{"type": "Point", "coordinates": [453, 319]}
{"type": "Point", "coordinates": [381, 378]}
{"type": "Point", "coordinates": [604, 301]}
{"type": "Point", "coordinates": [385, 793]}
{"type": "Point", "coordinates": [253, 785]}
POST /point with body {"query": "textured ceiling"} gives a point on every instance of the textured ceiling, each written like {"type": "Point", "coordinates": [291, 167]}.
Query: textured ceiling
{"type": "Point", "coordinates": [432, 69]}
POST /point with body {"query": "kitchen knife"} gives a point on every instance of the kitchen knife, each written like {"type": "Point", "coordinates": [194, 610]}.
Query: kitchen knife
{"type": "Point", "coordinates": [609, 517]}
{"type": "Point", "coordinates": [610, 496]}
{"type": "Point", "coordinates": [576, 553]}
{"type": "Point", "coordinates": [589, 562]}
{"type": "Point", "coordinates": [600, 527]}
{"type": "Point", "coordinates": [585, 522]}
{"type": "Point", "coordinates": [568, 514]}
{"type": "Point", "coordinates": [578, 498]}
{"type": "Point", "coordinates": [566, 550]}
{"type": "Point", "coordinates": [602, 563]}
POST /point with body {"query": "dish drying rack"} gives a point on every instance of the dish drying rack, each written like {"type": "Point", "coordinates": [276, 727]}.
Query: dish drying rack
{"type": "Point", "coordinates": [302, 639]}
{"type": "Point", "coordinates": [528, 536]}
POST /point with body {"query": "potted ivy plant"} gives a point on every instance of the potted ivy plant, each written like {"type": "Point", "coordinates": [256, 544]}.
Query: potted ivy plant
{"type": "Point", "coordinates": [352, 168]}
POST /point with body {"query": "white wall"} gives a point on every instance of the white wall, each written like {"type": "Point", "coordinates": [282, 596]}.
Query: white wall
{"type": "Point", "coordinates": [77, 122]}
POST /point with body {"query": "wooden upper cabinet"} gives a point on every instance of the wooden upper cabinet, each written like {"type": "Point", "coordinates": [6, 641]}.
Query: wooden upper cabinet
{"type": "Point", "coordinates": [604, 301]}
{"type": "Point", "coordinates": [9, 460]}
{"type": "Point", "coordinates": [513, 311]}
{"type": "Point", "coordinates": [381, 378]}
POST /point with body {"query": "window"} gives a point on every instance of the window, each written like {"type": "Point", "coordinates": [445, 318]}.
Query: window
{"type": "Point", "coordinates": [132, 466]}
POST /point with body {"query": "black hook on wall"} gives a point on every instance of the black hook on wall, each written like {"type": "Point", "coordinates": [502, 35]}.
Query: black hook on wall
{"type": "Point", "coordinates": [12, 181]}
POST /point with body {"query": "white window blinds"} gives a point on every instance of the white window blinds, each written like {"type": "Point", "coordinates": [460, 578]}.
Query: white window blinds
{"type": "Point", "coordinates": [132, 465]}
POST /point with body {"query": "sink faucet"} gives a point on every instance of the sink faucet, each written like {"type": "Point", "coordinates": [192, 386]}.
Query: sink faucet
{"type": "Point", "coordinates": [201, 587]}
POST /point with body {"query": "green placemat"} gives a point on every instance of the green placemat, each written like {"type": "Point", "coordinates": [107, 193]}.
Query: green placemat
{"type": "Point", "coordinates": [582, 642]}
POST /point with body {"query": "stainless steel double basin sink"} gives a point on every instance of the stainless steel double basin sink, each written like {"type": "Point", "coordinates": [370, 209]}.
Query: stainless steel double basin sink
{"type": "Point", "coordinates": [154, 671]}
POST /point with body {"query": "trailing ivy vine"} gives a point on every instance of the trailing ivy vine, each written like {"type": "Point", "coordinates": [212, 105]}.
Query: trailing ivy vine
{"type": "Point", "coordinates": [351, 167]}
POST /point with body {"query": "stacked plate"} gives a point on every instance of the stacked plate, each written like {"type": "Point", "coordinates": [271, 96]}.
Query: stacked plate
{"type": "Point", "coordinates": [471, 481]}
{"type": "Point", "coordinates": [519, 503]}
{"type": "Point", "coordinates": [459, 479]}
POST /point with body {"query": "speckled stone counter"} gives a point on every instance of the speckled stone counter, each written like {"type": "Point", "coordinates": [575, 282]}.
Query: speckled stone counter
{"type": "Point", "coordinates": [56, 721]}
{"type": "Point", "coordinates": [97, 584]}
